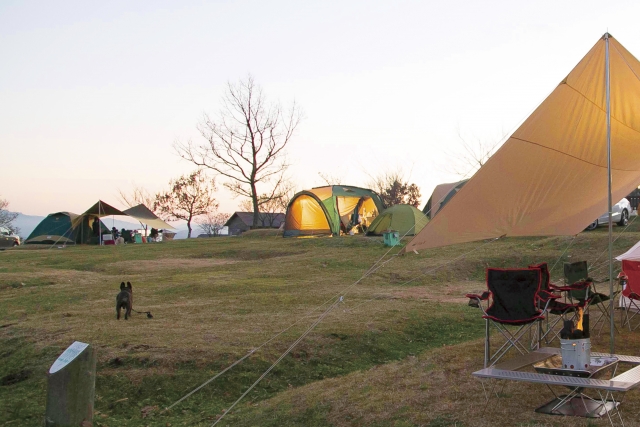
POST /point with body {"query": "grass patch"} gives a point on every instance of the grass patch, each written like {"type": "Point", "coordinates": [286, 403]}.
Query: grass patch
{"type": "Point", "coordinates": [397, 352]}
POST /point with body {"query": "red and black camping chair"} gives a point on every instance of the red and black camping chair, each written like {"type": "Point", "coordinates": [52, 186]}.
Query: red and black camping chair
{"type": "Point", "coordinates": [561, 310]}
{"type": "Point", "coordinates": [630, 279]}
{"type": "Point", "coordinates": [512, 305]}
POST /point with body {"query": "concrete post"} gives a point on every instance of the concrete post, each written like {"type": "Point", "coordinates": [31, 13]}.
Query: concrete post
{"type": "Point", "coordinates": [71, 388]}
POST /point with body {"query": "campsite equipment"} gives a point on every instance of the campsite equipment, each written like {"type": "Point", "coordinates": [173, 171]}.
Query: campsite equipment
{"type": "Point", "coordinates": [405, 219]}
{"type": "Point", "coordinates": [578, 272]}
{"type": "Point", "coordinates": [575, 344]}
{"type": "Point", "coordinates": [630, 267]}
{"type": "Point", "coordinates": [146, 217]}
{"type": "Point", "coordinates": [330, 210]}
{"type": "Point", "coordinates": [513, 310]}
{"type": "Point", "coordinates": [58, 228]}
{"type": "Point", "coordinates": [391, 238]}
{"type": "Point", "coordinates": [630, 277]}
{"type": "Point", "coordinates": [561, 168]}
{"type": "Point", "coordinates": [441, 196]}
{"type": "Point", "coordinates": [67, 227]}
{"type": "Point", "coordinates": [576, 354]}
{"type": "Point", "coordinates": [562, 310]}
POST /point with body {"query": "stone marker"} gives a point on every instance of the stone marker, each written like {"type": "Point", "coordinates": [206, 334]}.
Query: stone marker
{"type": "Point", "coordinates": [71, 387]}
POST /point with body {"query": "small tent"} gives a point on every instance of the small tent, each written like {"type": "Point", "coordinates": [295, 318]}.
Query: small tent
{"type": "Point", "coordinates": [330, 210]}
{"type": "Point", "coordinates": [441, 196]}
{"type": "Point", "coordinates": [405, 219]}
{"type": "Point", "coordinates": [58, 227]}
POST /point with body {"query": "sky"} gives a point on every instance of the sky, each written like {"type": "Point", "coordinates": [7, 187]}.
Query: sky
{"type": "Point", "coordinates": [93, 95]}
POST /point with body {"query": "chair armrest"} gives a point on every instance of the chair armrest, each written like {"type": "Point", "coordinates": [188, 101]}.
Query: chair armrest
{"type": "Point", "coordinates": [482, 297]}
{"type": "Point", "coordinates": [474, 299]}
{"type": "Point", "coordinates": [545, 296]}
{"type": "Point", "coordinates": [577, 286]}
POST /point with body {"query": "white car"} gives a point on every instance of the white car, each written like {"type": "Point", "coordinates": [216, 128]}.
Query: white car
{"type": "Point", "coordinates": [620, 215]}
{"type": "Point", "coordinates": [8, 239]}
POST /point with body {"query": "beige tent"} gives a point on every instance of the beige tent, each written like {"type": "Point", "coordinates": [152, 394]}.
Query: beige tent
{"type": "Point", "coordinates": [550, 177]}
{"type": "Point", "coordinates": [146, 216]}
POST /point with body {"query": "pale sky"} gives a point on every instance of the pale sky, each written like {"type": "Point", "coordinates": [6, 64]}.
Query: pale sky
{"type": "Point", "coordinates": [94, 94]}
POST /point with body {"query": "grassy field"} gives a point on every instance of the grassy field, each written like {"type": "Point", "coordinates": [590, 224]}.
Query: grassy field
{"type": "Point", "coordinates": [398, 351]}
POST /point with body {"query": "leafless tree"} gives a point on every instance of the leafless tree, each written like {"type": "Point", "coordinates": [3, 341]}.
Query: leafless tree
{"type": "Point", "coordinates": [246, 142]}
{"type": "Point", "coordinates": [394, 189]}
{"type": "Point", "coordinates": [211, 223]}
{"type": "Point", "coordinates": [138, 195]}
{"type": "Point", "coordinates": [270, 207]}
{"type": "Point", "coordinates": [331, 179]}
{"type": "Point", "coordinates": [473, 155]}
{"type": "Point", "coordinates": [6, 217]}
{"type": "Point", "coordinates": [189, 196]}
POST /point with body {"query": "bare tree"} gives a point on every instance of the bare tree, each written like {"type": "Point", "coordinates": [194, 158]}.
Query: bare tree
{"type": "Point", "coordinates": [474, 154]}
{"type": "Point", "coordinates": [246, 205]}
{"type": "Point", "coordinates": [331, 179]}
{"type": "Point", "coordinates": [246, 142]}
{"type": "Point", "coordinates": [211, 223]}
{"type": "Point", "coordinates": [190, 196]}
{"type": "Point", "coordinates": [270, 207]}
{"type": "Point", "coordinates": [6, 217]}
{"type": "Point", "coordinates": [138, 195]}
{"type": "Point", "coordinates": [393, 189]}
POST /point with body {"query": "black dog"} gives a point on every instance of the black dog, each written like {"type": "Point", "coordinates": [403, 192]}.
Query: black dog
{"type": "Point", "coordinates": [124, 300]}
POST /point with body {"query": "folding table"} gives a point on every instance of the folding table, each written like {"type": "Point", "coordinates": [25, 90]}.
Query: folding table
{"type": "Point", "coordinates": [605, 403]}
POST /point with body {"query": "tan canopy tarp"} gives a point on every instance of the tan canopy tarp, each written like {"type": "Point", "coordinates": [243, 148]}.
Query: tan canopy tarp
{"type": "Point", "coordinates": [146, 216]}
{"type": "Point", "coordinates": [550, 176]}
{"type": "Point", "coordinates": [99, 210]}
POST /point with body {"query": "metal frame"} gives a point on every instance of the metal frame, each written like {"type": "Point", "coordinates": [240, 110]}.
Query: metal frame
{"type": "Point", "coordinates": [605, 389]}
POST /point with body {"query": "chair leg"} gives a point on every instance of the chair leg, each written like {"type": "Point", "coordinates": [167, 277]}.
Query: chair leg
{"type": "Point", "coordinates": [633, 306]}
{"type": "Point", "coordinates": [512, 340]}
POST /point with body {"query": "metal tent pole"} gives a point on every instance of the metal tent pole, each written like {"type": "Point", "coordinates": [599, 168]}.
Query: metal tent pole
{"type": "Point", "coordinates": [608, 95]}
{"type": "Point", "coordinates": [99, 224]}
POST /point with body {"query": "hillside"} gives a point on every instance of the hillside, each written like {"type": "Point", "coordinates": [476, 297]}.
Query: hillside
{"type": "Point", "coordinates": [398, 351]}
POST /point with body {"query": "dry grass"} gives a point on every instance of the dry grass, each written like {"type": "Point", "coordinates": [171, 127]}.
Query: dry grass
{"type": "Point", "coordinates": [434, 388]}
{"type": "Point", "coordinates": [214, 299]}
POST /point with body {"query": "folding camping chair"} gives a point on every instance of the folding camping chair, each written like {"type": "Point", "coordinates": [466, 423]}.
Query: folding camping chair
{"type": "Point", "coordinates": [513, 309]}
{"type": "Point", "coordinates": [630, 277]}
{"type": "Point", "coordinates": [562, 310]}
{"type": "Point", "coordinates": [578, 272]}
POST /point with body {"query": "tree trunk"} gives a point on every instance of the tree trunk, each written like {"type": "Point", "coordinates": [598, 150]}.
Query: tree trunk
{"type": "Point", "coordinates": [189, 228]}
{"type": "Point", "coordinates": [256, 210]}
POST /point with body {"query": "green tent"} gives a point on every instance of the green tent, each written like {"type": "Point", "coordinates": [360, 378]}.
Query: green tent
{"type": "Point", "coordinates": [331, 210]}
{"type": "Point", "coordinates": [441, 196]}
{"type": "Point", "coordinates": [57, 228]}
{"type": "Point", "coordinates": [405, 219]}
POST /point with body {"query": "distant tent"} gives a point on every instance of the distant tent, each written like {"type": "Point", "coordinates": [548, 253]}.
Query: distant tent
{"type": "Point", "coordinates": [98, 210]}
{"type": "Point", "coordinates": [404, 219]}
{"type": "Point", "coordinates": [441, 196]}
{"type": "Point", "coordinates": [330, 210]}
{"type": "Point", "coordinates": [57, 228]}
{"type": "Point", "coordinates": [146, 216]}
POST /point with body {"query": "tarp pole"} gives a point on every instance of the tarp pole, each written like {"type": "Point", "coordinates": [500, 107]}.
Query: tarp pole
{"type": "Point", "coordinates": [608, 95]}
{"type": "Point", "coordinates": [99, 224]}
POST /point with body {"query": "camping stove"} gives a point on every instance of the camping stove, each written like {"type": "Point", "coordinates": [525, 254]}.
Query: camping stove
{"type": "Point", "coordinates": [575, 344]}
{"type": "Point", "coordinates": [576, 354]}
